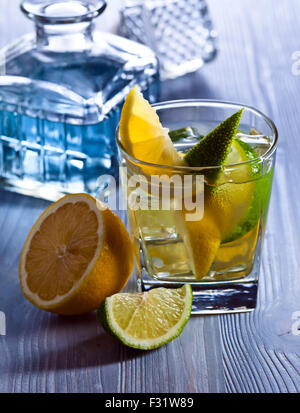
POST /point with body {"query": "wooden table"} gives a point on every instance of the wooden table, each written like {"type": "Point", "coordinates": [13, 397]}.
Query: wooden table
{"type": "Point", "coordinates": [251, 352]}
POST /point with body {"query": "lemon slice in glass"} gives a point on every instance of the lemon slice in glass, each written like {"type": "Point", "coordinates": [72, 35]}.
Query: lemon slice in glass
{"type": "Point", "coordinates": [142, 134]}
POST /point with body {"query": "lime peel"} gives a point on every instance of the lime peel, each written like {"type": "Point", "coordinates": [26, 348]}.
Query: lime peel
{"type": "Point", "coordinates": [214, 148]}
{"type": "Point", "coordinates": [157, 316]}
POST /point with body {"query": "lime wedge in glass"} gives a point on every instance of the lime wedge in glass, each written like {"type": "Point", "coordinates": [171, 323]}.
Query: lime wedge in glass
{"type": "Point", "coordinates": [260, 194]}
{"type": "Point", "coordinates": [214, 148]}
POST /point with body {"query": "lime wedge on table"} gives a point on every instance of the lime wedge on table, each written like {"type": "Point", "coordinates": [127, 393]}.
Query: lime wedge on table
{"type": "Point", "coordinates": [147, 320]}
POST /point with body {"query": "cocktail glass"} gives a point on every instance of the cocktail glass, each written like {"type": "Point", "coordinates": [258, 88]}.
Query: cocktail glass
{"type": "Point", "coordinates": [169, 208]}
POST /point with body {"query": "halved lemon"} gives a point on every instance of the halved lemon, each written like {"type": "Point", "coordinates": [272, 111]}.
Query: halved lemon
{"type": "Point", "coordinates": [77, 253]}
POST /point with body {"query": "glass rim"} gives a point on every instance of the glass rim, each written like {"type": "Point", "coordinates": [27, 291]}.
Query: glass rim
{"type": "Point", "coordinates": [203, 102]}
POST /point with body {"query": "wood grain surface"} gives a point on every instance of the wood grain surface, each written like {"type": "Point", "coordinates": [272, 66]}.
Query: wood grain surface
{"type": "Point", "coordinates": [252, 352]}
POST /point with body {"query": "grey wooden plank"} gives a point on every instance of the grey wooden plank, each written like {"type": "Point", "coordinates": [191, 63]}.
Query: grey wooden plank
{"type": "Point", "coordinates": [48, 353]}
{"type": "Point", "coordinates": [254, 352]}
{"type": "Point", "coordinates": [56, 354]}
{"type": "Point", "coordinates": [256, 346]}
{"type": "Point", "coordinates": [254, 66]}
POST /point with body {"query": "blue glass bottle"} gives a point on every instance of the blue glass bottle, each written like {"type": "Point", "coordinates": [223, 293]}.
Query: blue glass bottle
{"type": "Point", "coordinates": [60, 99]}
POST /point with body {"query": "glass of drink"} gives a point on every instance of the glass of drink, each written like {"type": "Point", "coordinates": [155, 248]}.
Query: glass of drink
{"type": "Point", "coordinates": [188, 227]}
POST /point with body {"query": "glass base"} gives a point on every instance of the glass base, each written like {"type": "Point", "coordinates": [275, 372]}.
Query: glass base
{"type": "Point", "coordinates": [214, 298]}
{"type": "Point", "coordinates": [230, 290]}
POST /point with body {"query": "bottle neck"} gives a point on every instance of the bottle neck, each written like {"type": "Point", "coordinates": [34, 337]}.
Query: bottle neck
{"type": "Point", "coordinates": [65, 37]}
{"type": "Point", "coordinates": [63, 25]}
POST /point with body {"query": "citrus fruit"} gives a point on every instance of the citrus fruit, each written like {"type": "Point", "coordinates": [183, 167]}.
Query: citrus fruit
{"type": "Point", "coordinates": [202, 240]}
{"type": "Point", "coordinates": [225, 208]}
{"type": "Point", "coordinates": [224, 204]}
{"type": "Point", "coordinates": [187, 133]}
{"type": "Point", "coordinates": [213, 149]}
{"type": "Point", "coordinates": [230, 208]}
{"type": "Point", "coordinates": [147, 320]}
{"type": "Point", "coordinates": [77, 253]}
{"type": "Point", "coordinates": [260, 195]}
{"type": "Point", "coordinates": [228, 202]}
{"type": "Point", "coordinates": [142, 134]}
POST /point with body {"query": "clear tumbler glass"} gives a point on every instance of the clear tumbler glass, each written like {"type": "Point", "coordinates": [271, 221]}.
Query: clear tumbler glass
{"type": "Point", "coordinates": [188, 228]}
